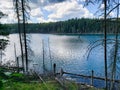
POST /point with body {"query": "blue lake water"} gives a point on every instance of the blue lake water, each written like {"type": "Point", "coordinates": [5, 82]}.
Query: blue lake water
{"type": "Point", "coordinates": [67, 51]}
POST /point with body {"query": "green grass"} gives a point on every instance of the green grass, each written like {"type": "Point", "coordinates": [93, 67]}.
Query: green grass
{"type": "Point", "coordinates": [31, 86]}
{"type": "Point", "coordinates": [51, 85]}
{"type": "Point", "coordinates": [71, 86]}
{"type": "Point", "coordinates": [18, 81]}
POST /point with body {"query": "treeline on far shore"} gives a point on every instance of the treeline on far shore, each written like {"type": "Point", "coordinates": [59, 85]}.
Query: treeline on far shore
{"type": "Point", "coordinates": [81, 26]}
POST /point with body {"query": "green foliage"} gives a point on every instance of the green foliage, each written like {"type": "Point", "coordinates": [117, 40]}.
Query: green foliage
{"type": "Point", "coordinates": [1, 84]}
{"type": "Point", "coordinates": [72, 86]}
{"type": "Point", "coordinates": [3, 30]}
{"type": "Point", "coordinates": [3, 44]}
{"type": "Point", "coordinates": [2, 75]}
{"type": "Point", "coordinates": [83, 25]}
{"type": "Point", "coordinates": [17, 77]}
{"type": "Point", "coordinates": [31, 86]}
{"type": "Point", "coordinates": [50, 85]}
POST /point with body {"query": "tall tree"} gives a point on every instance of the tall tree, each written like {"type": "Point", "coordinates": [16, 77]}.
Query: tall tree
{"type": "Point", "coordinates": [17, 10]}
{"type": "Point", "coordinates": [105, 42]}
{"type": "Point", "coordinates": [22, 15]}
{"type": "Point", "coordinates": [24, 3]}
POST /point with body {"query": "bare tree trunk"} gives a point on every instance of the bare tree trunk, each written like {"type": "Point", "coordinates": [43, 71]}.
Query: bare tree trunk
{"type": "Point", "coordinates": [43, 57]}
{"type": "Point", "coordinates": [1, 53]}
{"type": "Point", "coordinates": [19, 30]}
{"type": "Point", "coordinates": [22, 55]}
{"type": "Point", "coordinates": [15, 53]}
{"type": "Point", "coordinates": [50, 53]}
{"type": "Point", "coordinates": [24, 33]}
{"type": "Point", "coordinates": [105, 43]}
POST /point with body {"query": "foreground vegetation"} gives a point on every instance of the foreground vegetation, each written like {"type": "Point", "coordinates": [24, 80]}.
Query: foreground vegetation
{"type": "Point", "coordinates": [19, 81]}
{"type": "Point", "coordinates": [40, 86]}
{"type": "Point", "coordinates": [31, 86]}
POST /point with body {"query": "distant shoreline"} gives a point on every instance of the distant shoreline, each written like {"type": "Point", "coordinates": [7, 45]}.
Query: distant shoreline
{"type": "Point", "coordinates": [79, 33]}
{"type": "Point", "coordinates": [71, 33]}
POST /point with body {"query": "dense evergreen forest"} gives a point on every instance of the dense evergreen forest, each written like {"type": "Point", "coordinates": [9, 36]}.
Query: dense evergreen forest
{"type": "Point", "coordinates": [80, 26]}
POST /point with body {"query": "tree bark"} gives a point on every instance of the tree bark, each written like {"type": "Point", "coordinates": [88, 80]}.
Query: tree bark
{"type": "Point", "coordinates": [19, 30]}
{"type": "Point", "coordinates": [105, 43]}
{"type": "Point", "coordinates": [24, 33]}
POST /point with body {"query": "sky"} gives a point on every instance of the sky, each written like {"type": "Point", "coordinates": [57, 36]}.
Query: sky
{"type": "Point", "coordinates": [50, 10]}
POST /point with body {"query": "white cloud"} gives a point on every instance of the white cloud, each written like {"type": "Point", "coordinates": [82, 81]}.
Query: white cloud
{"type": "Point", "coordinates": [36, 12]}
{"type": "Point", "coordinates": [112, 14]}
{"type": "Point", "coordinates": [6, 6]}
{"type": "Point", "coordinates": [42, 20]}
{"type": "Point", "coordinates": [33, 5]}
{"type": "Point", "coordinates": [81, 0]}
{"type": "Point", "coordinates": [46, 11]}
{"type": "Point", "coordinates": [66, 10]}
{"type": "Point", "coordinates": [102, 7]}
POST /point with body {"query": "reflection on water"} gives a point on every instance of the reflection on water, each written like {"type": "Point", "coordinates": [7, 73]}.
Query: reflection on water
{"type": "Point", "coordinates": [68, 52]}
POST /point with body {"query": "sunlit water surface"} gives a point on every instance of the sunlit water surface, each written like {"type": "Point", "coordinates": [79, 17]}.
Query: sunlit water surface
{"type": "Point", "coordinates": [67, 51]}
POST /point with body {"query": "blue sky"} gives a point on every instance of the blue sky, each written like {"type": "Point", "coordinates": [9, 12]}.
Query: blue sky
{"type": "Point", "coordinates": [50, 10]}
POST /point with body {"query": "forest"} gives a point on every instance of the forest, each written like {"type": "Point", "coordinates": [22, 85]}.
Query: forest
{"type": "Point", "coordinates": [79, 26]}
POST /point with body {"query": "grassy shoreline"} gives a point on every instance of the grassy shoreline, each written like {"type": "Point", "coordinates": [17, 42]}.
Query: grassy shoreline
{"type": "Point", "coordinates": [20, 81]}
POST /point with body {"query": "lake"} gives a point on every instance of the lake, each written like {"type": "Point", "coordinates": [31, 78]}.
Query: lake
{"type": "Point", "coordinates": [67, 51]}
